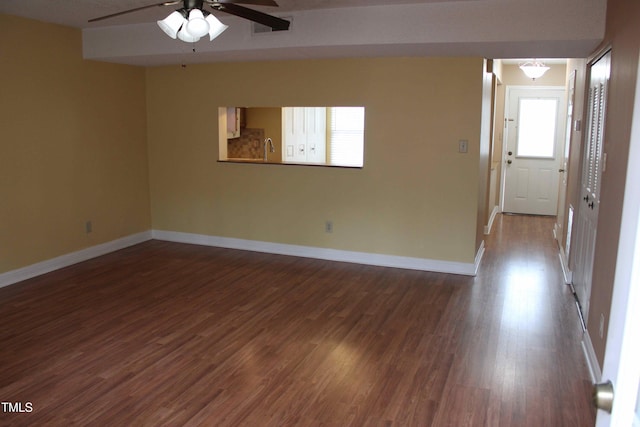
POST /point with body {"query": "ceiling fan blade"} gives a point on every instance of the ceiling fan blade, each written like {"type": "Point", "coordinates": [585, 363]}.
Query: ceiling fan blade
{"type": "Point", "coordinates": [164, 3]}
{"type": "Point", "coordinates": [255, 2]}
{"type": "Point", "coordinates": [277, 24]}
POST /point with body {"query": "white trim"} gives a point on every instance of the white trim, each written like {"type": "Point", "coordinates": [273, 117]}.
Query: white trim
{"type": "Point", "coordinates": [590, 358]}
{"type": "Point", "coordinates": [468, 269]}
{"type": "Point", "coordinates": [487, 228]}
{"type": "Point", "coordinates": [555, 232]}
{"type": "Point", "coordinates": [478, 259]}
{"type": "Point", "coordinates": [564, 263]}
{"type": "Point", "coordinates": [33, 270]}
{"type": "Point", "coordinates": [37, 269]}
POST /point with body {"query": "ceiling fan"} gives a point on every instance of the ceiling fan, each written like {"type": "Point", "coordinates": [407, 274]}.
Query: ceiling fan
{"type": "Point", "coordinates": [192, 21]}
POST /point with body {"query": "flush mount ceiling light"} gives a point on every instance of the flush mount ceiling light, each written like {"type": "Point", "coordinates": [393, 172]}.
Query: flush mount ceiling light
{"type": "Point", "coordinates": [534, 69]}
{"type": "Point", "coordinates": [192, 22]}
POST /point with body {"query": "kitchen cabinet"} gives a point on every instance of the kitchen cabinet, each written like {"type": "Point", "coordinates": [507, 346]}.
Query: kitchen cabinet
{"type": "Point", "coordinates": [234, 122]}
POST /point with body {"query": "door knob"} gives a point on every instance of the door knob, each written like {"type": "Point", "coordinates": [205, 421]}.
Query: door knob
{"type": "Point", "coordinates": [603, 396]}
{"type": "Point", "coordinates": [560, 170]}
{"type": "Point", "coordinates": [509, 161]}
{"type": "Point", "coordinates": [510, 153]}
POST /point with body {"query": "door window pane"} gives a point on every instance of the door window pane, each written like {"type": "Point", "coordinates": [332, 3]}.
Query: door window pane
{"type": "Point", "coordinates": [537, 128]}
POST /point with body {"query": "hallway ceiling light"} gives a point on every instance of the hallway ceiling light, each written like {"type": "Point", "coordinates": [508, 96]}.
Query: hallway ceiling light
{"type": "Point", "coordinates": [534, 69]}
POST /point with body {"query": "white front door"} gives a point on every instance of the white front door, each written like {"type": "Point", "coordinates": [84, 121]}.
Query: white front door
{"type": "Point", "coordinates": [592, 168]}
{"type": "Point", "coordinates": [535, 135]}
{"type": "Point", "coordinates": [622, 355]}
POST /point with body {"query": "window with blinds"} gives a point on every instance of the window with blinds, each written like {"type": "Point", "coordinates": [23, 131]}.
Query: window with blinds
{"type": "Point", "coordinates": [346, 136]}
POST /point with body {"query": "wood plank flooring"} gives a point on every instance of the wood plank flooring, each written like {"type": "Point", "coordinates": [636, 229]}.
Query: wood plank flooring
{"type": "Point", "coordinates": [171, 334]}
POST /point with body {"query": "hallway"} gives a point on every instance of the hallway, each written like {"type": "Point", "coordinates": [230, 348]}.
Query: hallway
{"type": "Point", "coordinates": [173, 334]}
{"type": "Point", "coordinates": [521, 356]}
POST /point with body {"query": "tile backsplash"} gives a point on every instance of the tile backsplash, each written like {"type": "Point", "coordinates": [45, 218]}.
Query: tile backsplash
{"type": "Point", "coordinates": [248, 146]}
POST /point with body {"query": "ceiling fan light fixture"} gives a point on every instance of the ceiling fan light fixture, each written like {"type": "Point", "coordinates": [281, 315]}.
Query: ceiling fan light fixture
{"type": "Point", "coordinates": [192, 22]}
{"type": "Point", "coordinates": [186, 36]}
{"type": "Point", "coordinates": [215, 26]}
{"type": "Point", "coordinates": [197, 25]}
{"type": "Point", "coordinates": [172, 23]}
{"type": "Point", "coordinates": [534, 69]}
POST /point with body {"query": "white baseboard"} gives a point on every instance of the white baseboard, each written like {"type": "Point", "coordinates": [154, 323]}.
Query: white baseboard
{"type": "Point", "coordinates": [468, 269]}
{"type": "Point", "coordinates": [478, 259]}
{"type": "Point", "coordinates": [30, 271]}
{"type": "Point", "coordinates": [591, 359]}
{"type": "Point", "coordinates": [494, 212]}
{"type": "Point", "coordinates": [564, 263]}
{"type": "Point", "coordinates": [33, 270]}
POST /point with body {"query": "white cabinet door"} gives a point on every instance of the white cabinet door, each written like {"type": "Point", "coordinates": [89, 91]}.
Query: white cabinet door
{"type": "Point", "coordinates": [293, 137]}
{"type": "Point", "coordinates": [592, 165]}
{"type": "Point", "coordinates": [304, 134]}
{"type": "Point", "coordinates": [316, 124]}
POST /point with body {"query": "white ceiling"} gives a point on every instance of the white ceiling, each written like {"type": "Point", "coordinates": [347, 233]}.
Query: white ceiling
{"type": "Point", "coordinates": [76, 13]}
{"type": "Point", "coordinates": [338, 28]}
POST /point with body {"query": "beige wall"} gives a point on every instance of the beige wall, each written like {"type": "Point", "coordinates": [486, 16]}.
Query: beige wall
{"type": "Point", "coordinates": [623, 35]}
{"type": "Point", "coordinates": [512, 75]}
{"type": "Point", "coordinates": [269, 119]}
{"type": "Point", "coordinates": [416, 195]}
{"type": "Point", "coordinates": [73, 145]}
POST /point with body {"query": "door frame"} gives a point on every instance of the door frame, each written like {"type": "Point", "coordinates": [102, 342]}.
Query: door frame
{"type": "Point", "coordinates": [505, 134]}
{"type": "Point", "coordinates": [562, 211]}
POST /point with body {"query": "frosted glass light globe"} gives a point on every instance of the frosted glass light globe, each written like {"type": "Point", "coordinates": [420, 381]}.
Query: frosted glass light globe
{"type": "Point", "coordinates": [172, 23]}
{"type": "Point", "coordinates": [197, 25]}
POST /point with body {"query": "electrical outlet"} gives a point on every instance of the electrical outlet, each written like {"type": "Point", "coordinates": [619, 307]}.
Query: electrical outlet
{"type": "Point", "coordinates": [88, 227]}
{"type": "Point", "coordinates": [328, 227]}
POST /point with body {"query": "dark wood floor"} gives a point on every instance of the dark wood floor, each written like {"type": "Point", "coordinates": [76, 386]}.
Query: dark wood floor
{"type": "Point", "coordinates": [172, 334]}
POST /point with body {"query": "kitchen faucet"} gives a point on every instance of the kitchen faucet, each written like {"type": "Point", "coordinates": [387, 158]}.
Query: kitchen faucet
{"type": "Point", "coordinates": [268, 143]}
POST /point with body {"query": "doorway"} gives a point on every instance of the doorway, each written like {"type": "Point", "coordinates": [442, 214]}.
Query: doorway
{"type": "Point", "coordinates": [533, 149]}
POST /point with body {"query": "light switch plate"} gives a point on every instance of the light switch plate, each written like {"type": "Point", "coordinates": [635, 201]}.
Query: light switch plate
{"type": "Point", "coordinates": [463, 146]}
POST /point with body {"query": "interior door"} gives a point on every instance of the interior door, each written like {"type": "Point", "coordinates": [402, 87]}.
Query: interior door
{"type": "Point", "coordinates": [622, 355]}
{"type": "Point", "coordinates": [535, 132]}
{"type": "Point", "coordinates": [592, 167]}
